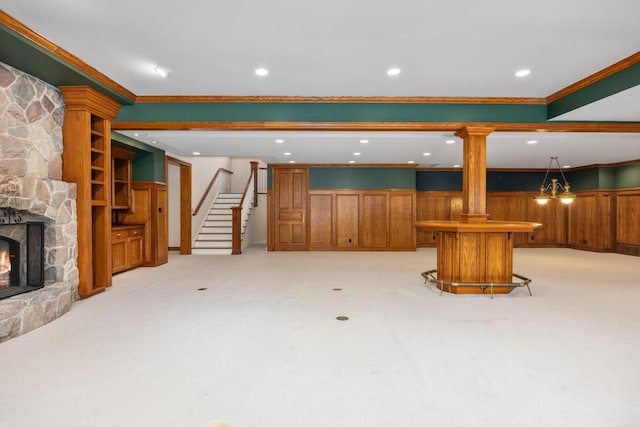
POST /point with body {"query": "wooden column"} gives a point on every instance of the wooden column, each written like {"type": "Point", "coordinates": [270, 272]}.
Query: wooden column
{"type": "Point", "coordinates": [474, 174]}
{"type": "Point", "coordinates": [474, 251]}
{"type": "Point", "coordinates": [86, 161]}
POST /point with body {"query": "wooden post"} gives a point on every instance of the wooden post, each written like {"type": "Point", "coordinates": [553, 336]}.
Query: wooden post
{"type": "Point", "coordinates": [254, 172]}
{"type": "Point", "coordinates": [474, 174]}
{"type": "Point", "coordinates": [236, 230]}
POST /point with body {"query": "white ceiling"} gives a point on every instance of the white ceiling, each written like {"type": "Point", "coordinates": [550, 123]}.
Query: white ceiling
{"type": "Point", "coordinates": [457, 48]}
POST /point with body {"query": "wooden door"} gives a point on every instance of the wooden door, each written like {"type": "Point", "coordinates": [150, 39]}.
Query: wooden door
{"type": "Point", "coordinates": [290, 209]}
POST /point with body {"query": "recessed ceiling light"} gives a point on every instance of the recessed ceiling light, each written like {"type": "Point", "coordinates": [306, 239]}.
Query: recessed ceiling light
{"type": "Point", "coordinates": [356, 154]}
{"type": "Point", "coordinates": [352, 161]}
{"type": "Point", "coordinates": [523, 73]}
{"type": "Point", "coordinates": [154, 142]}
{"type": "Point", "coordinates": [292, 161]}
{"type": "Point", "coordinates": [426, 154]}
{"type": "Point", "coordinates": [136, 134]}
{"type": "Point", "coordinates": [287, 154]}
{"type": "Point", "coordinates": [450, 141]}
{"type": "Point", "coordinates": [533, 141]}
{"type": "Point", "coordinates": [196, 153]}
{"type": "Point", "coordinates": [393, 71]}
{"type": "Point", "coordinates": [162, 71]}
{"type": "Point", "coordinates": [566, 166]}
{"type": "Point", "coordinates": [364, 141]}
{"type": "Point", "coordinates": [261, 72]}
{"type": "Point", "coordinates": [279, 141]}
{"type": "Point", "coordinates": [456, 166]}
{"type": "Point", "coordinates": [410, 161]}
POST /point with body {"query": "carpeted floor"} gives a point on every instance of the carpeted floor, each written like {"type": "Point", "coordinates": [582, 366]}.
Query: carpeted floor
{"type": "Point", "coordinates": [261, 346]}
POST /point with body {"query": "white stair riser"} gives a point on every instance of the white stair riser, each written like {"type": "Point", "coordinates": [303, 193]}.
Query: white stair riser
{"type": "Point", "coordinates": [214, 237]}
{"type": "Point", "coordinates": [212, 244]}
{"type": "Point", "coordinates": [197, 251]}
{"type": "Point", "coordinates": [219, 217]}
{"type": "Point", "coordinates": [217, 223]}
{"type": "Point", "coordinates": [216, 230]}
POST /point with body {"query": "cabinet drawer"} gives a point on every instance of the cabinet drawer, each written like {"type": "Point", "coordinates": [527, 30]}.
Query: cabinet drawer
{"type": "Point", "coordinates": [124, 233]}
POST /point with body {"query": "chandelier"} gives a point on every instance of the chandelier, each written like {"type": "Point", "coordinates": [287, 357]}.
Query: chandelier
{"type": "Point", "coordinates": [554, 190]}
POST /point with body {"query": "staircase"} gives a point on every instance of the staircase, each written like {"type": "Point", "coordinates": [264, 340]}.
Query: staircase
{"type": "Point", "coordinates": [214, 237]}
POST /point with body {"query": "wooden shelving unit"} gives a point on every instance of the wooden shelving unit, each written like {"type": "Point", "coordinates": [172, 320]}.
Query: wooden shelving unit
{"type": "Point", "coordinates": [86, 160]}
{"type": "Point", "coordinates": [121, 178]}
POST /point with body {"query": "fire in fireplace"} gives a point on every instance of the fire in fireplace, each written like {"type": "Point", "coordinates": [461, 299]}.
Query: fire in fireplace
{"type": "Point", "coordinates": [21, 254]}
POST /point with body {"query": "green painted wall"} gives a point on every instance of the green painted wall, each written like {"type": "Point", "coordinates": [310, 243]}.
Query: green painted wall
{"type": "Point", "coordinates": [606, 178]}
{"type": "Point", "coordinates": [361, 178]}
{"type": "Point", "coordinates": [627, 177]}
{"type": "Point", "coordinates": [597, 178]}
{"type": "Point", "coordinates": [331, 112]}
{"type": "Point", "coordinates": [20, 53]}
{"type": "Point", "coordinates": [584, 179]}
{"type": "Point", "coordinates": [148, 164]}
{"type": "Point", "coordinates": [624, 79]}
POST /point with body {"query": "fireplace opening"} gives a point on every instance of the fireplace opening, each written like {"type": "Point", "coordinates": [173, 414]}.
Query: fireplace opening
{"type": "Point", "coordinates": [21, 257]}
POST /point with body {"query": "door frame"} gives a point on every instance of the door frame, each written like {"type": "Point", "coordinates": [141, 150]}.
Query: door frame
{"type": "Point", "coordinates": [185, 201]}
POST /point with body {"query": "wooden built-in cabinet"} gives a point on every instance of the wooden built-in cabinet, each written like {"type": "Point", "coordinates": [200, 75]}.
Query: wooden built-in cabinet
{"type": "Point", "coordinates": [127, 247]}
{"type": "Point", "coordinates": [362, 220]}
{"type": "Point", "coordinates": [149, 209]}
{"type": "Point", "coordinates": [86, 161]}
{"type": "Point", "coordinates": [121, 177]}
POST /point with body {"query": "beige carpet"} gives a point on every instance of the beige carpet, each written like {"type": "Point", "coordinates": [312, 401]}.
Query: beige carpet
{"type": "Point", "coordinates": [261, 346]}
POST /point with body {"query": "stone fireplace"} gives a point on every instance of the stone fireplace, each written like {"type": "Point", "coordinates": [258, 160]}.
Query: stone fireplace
{"type": "Point", "coordinates": [32, 196]}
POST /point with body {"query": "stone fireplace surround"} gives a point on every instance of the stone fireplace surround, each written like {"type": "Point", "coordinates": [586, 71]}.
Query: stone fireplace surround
{"type": "Point", "coordinates": [31, 115]}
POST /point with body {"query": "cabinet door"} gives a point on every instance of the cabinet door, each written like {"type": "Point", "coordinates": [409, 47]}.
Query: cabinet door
{"type": "Point", "coordinates": [347, 220]}
{"type": "Point", "coordinates": [118, 255]}
{"type": "Point", "coordinates": [135, 254]}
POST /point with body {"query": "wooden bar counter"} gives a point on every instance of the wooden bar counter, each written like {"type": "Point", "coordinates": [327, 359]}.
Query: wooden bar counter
{"type": "Point", "coordinates": [475, 252]}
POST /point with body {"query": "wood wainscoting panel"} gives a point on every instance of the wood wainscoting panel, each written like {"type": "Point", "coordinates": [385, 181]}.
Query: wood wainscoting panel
{"type": "Point", "coordinates": [347, 220]}
{"type": "Point", "coordinates": [508, 207]}
{"type": "Point", "coordinates": [374, 221]}
{"type": "Point", "coordinates": [436, 205]}
{"type": "Point", "coordinates": [590, 221]}
{"type": "Point", "coordinates": [628, 218]}
{"type": "Point", "coordinates": [320, 221]}
{"type": "Point", "coordinates": [402, 216]}
{"type": "Point", "coordinates": [553, 219]}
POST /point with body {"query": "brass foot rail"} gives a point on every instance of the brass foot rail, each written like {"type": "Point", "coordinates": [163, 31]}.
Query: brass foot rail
{"type": "Point", "coordinates": [432, 278]}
